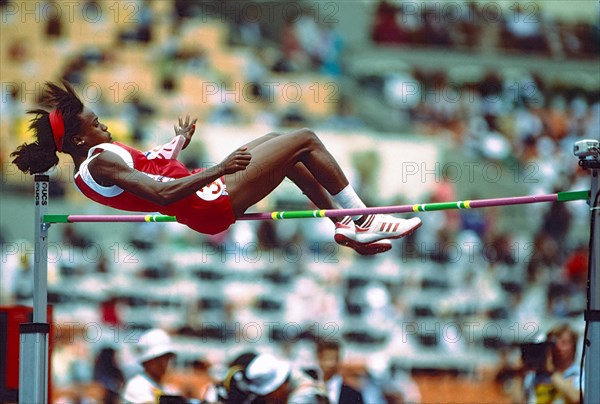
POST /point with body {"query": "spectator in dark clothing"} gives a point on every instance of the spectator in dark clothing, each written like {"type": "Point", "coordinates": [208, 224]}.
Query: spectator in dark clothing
{"type": "Point", "coordinates": [557, 221]}
{"type": "Point", "coordinates": [328, 355]}
{"type": "Point", "coordinates": [109, 375]}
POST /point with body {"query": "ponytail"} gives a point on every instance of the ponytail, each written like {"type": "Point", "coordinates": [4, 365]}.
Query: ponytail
{"type": "Point", "coordinates": [40, 155]}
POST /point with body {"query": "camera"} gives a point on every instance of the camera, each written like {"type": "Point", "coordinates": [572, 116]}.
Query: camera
{"type": "Point", "coordinates": [586, 148]}
{"type": "Point", "coordinates": [534, 354]}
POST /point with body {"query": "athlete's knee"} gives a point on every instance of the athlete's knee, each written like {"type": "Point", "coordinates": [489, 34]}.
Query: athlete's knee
{"type": "Point", "coordinates": [309, 133]}
{"type": "Point", "coordinates": [308, 137]}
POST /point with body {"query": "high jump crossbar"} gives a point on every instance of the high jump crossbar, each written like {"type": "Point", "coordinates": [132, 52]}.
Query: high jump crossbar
{"type": "Point", "coordinates": [319, 213]}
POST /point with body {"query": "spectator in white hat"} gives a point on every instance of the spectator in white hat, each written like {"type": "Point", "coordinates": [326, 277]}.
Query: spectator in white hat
{"type": "Point", "coordinates": [153, 352]}
{"type": "Point", "coordinates": [275, 382]}
{"type": "Point", "coordinates": [268, 377]}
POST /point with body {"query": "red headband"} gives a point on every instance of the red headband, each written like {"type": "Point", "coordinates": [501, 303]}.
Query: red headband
{"type": "Point", "coordinates": [58, 128]}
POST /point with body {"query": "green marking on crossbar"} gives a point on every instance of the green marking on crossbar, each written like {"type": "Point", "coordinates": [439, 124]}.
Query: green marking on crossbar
{"type": "Point", "coordinates": [573, 196]}
{"type": "Point", "coordinates": [162, 218]}
{"type": "Point", "coordinates": [55, 219]}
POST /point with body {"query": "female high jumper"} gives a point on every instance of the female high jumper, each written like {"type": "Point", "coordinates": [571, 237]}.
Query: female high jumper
{"type": "Point", "coordinates": [206, 200]}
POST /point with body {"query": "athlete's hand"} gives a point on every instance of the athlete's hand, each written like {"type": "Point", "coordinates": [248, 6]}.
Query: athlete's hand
{"type": "Point", "coordinates": [236, 161]}
{"type": "Point", "coordinates": [186, 129]}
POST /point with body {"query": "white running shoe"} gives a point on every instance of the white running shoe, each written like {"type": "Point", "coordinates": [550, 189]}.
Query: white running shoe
{"type": "Point", "coordinates": [379, 227]}
{"type": "Point", "coordinates": [345, 234]}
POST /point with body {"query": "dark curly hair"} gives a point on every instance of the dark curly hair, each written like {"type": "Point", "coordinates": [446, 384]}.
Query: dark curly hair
{"type": "Point", "coordinates": [40, 155]}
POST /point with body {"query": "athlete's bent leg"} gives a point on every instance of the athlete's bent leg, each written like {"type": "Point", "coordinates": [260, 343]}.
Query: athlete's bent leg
{"type": "Point", "coordinates": [302, 177]}
{"type": "Point", "coordinates": [275, 159]}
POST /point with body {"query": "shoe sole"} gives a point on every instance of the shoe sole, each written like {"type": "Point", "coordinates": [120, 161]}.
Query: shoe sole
{"type": "Point", "coordinates": [406, 233]}
{"type": "Point", "coordinates": [373, 248]}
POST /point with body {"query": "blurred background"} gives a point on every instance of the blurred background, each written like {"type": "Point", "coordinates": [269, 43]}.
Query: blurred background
{"type": "Point", "coordinates": [420, 101]}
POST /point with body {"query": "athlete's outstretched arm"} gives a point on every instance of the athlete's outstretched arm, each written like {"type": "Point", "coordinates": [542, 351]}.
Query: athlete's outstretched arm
{"type": "Point", "coordinates": [109, 169]}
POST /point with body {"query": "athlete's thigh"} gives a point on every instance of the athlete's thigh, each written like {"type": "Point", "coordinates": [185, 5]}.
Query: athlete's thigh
{"type": "Point", "coordinates": [258, 141]}
{"type": "Point", "coordinates": [271, 161]}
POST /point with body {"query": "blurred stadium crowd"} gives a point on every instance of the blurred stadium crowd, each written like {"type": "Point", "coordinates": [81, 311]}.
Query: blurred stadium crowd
{"type": "Point", "coordinates": [454, 297]}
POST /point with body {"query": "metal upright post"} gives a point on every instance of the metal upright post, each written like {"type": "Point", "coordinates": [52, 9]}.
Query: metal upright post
{"type": "Point", "coordinates": [592, 315]}
{"type": "Point", "coordinates": [34, 337]}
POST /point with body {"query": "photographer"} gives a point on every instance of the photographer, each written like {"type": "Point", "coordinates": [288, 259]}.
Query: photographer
{"type": "Point", "coordinates": [550, 373]}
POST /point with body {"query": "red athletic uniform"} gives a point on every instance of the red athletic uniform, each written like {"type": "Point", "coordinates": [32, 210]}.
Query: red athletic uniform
{"type": "Point", "coordinates": [207, 211]}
